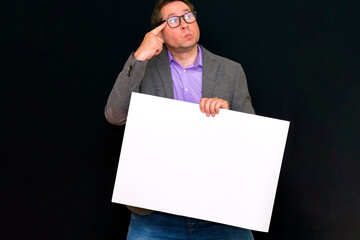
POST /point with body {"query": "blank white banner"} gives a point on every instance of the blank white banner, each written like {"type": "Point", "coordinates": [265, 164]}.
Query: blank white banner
{"type": "Point", "coordinates": [176, 160]}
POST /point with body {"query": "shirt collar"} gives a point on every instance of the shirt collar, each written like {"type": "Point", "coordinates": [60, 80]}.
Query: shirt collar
{"type": "Point", "coordinates": [198, 60]}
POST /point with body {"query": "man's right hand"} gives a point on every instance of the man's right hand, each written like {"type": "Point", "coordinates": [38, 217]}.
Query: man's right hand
{"type": "Point", "coordinates": [151, 45]}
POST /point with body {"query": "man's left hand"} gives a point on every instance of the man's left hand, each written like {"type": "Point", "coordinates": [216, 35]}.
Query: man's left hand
{"type": "Point", "coordinates": [211, 106]}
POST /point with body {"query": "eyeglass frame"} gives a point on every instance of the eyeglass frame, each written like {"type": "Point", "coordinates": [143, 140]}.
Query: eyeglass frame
{"type": "Point", "coordinates": [182, 16]}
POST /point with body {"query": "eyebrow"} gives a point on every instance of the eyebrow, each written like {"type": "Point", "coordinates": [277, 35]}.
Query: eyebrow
{"type": "Point", "coordinates": [174, 14]}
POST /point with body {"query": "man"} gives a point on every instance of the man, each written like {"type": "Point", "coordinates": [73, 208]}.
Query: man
{"type": "Point", "coordinates": [170, 63]}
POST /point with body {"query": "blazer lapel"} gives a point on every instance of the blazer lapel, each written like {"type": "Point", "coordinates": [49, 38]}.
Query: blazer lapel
{"type": "Point", "coordinates": [210, 67]}
{"type": "Point", "coordinates": [163, 67]}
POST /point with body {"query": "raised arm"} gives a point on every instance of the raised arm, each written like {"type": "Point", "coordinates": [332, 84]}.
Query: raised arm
{"type": "Point", "coordinates": [130, 77]}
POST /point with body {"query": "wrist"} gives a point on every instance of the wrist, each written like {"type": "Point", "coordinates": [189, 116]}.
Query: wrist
{"type": "Point", "coordinates": [139, 57]}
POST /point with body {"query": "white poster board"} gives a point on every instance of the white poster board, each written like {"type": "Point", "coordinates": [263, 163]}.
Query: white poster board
{"type": "Point", "coordinates": [176, 160]}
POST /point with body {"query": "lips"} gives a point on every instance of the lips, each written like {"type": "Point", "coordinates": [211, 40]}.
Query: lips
{"type": "Point", "coordinates": [188, 35]}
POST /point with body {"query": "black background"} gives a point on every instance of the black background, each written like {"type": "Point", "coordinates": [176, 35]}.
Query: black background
{"type": "Point", "coordinates": [59, 155]}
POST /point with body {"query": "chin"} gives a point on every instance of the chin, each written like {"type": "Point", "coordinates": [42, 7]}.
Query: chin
{"type": "Point", "coordinates": [184, 46]}
{"type": "Point", "coordinates": [190, 44]}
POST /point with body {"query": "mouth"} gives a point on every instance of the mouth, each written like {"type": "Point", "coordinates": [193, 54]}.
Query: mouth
{"type": "Point", "coordinates": [188, 35]}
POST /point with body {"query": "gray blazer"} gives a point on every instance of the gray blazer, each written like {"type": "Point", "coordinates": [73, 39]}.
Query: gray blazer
{"type": "Point", "coordinates": [221, 78]}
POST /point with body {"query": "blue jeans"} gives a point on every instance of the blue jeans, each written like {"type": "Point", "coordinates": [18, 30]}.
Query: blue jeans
{"type": "Point", "coordinates": [162, 226]}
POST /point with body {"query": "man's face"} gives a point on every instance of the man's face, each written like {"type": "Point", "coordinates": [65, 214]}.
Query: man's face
{"type": "Point", "coordinates": [183, 37]}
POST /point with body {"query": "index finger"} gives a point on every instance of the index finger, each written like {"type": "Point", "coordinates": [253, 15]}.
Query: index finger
{"type": "Point", "coordinates": [158, 29]}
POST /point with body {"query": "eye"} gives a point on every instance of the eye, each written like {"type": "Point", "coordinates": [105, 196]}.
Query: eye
{"type": "Point", "coordinates": [189, 16]}
{"type": "Point", "coordinates": [173, 20]}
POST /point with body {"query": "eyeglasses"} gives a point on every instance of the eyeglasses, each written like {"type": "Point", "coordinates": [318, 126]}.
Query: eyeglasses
{"type": "Point", "coordinates": [175, 21]}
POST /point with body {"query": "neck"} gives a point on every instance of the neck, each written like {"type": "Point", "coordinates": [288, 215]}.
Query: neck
{"type": "Point", "coordinates": [185, 58]}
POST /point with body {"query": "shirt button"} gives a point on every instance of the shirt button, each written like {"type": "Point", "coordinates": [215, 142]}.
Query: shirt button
{"type": "Point", "coordinates": [186, 89]}
{"type": "Point", "coordinates": [184, 70]}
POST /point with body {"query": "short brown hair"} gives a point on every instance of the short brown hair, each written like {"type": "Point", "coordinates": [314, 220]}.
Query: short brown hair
{"type": "Point", "coordinates": [156, 17]}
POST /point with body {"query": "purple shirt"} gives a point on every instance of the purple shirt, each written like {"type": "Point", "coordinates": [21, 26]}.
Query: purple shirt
{"type": "Point", "coordinates": [187, 83]}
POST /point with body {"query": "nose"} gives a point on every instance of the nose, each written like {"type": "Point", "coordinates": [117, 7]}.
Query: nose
{"type": "Point", "coordinates": [183, 24]}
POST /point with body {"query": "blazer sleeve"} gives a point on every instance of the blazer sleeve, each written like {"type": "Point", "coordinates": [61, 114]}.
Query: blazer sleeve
{"type": "Point", "coordinates": [241, 100]}
{"type": "Point", "coordinates": [128, 81]}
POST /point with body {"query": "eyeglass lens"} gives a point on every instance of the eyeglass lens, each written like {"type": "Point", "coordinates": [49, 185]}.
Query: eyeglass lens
{"type": "Point", "coordinates": [175, 21]}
